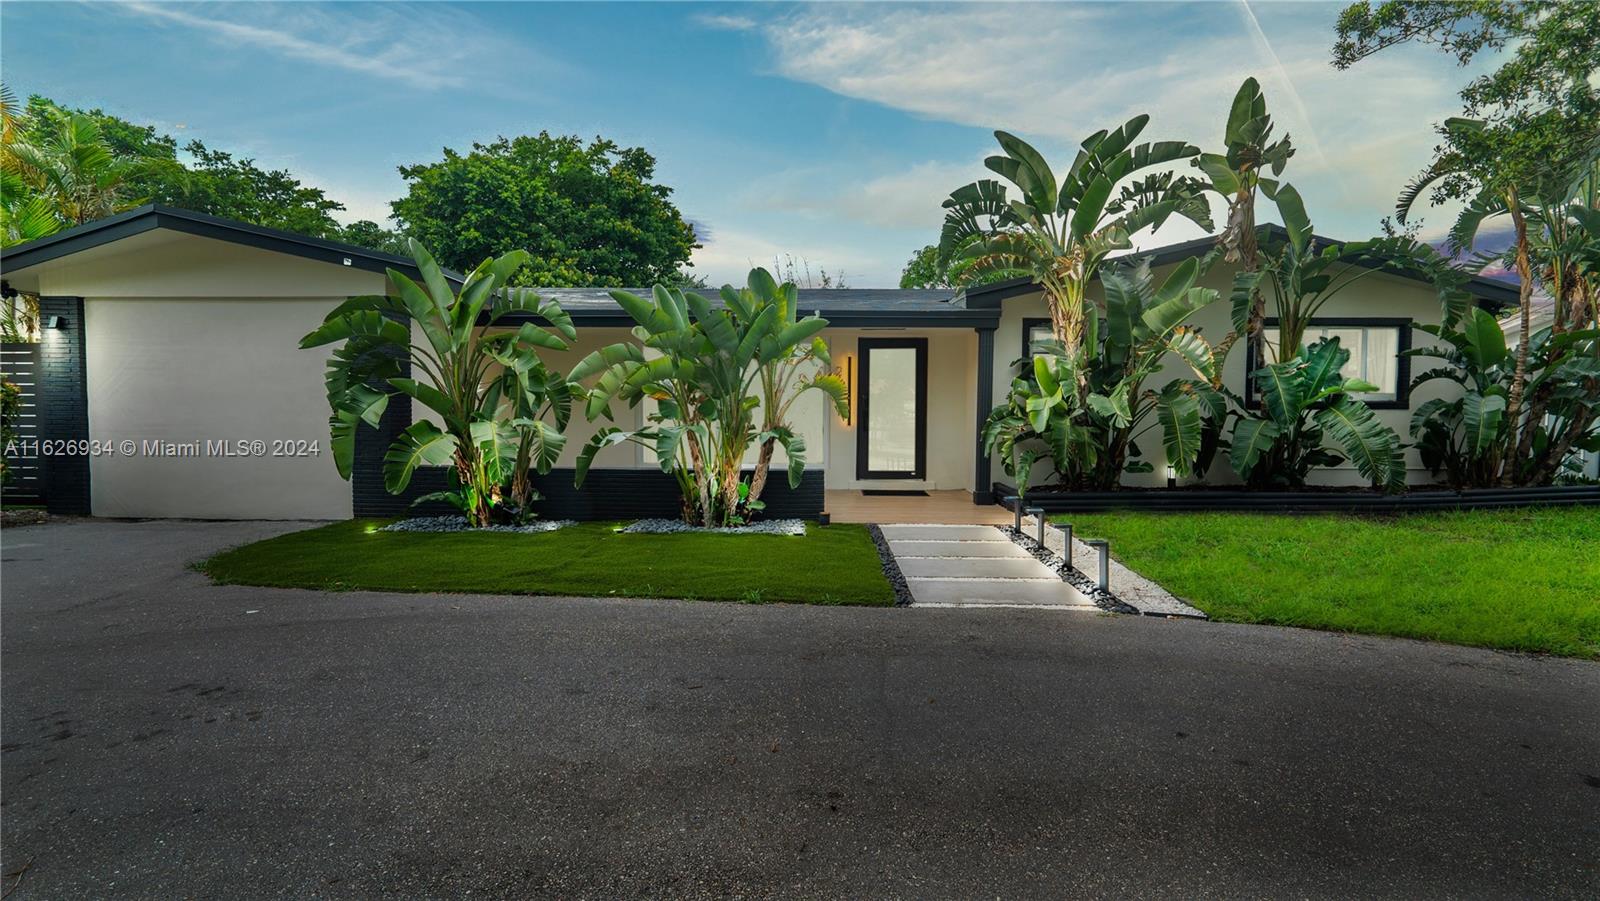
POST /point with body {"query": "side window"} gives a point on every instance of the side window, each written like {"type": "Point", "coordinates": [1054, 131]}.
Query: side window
{"type": "Point", "coordinates": [1034, 330]}
{"type": "Point", "coordinates": [1375, 353]}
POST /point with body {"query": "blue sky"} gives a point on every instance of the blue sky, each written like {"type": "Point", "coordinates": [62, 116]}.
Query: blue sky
{"type": "Point", "coordinates": [827, 131]}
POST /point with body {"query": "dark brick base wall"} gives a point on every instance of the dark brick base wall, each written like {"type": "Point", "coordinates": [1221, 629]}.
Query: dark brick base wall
{"type": "Point", "coordinates": [64, 404]}
{"type": "Point", "coordinates": [606, 494]}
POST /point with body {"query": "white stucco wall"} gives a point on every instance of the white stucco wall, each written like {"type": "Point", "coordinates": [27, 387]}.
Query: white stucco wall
{"type": "Point", "coordinates": [1377, 295]}
{"type": "Point", "coordinates": [579, 429]}
{"type": "Point", "coordinates": [806, 414]}
{"type": "Point", "coordinates": [165, 264]}
{"type": "Point", "coordinates": [952, 404]}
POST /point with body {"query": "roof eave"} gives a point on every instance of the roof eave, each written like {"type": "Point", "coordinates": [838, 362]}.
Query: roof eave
{"type": "Point", "coordinates": [1487, 291]}
{"type": "Point", "coordinates": [153, 216]}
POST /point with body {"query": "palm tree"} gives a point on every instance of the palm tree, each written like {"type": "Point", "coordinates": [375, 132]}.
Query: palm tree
{"type": "Point", "coordinates": [1058, 233]}
{"type": "Point", "coordinates": [64, 159]}
{"type": "Point", "coordinates": [1236, 175]}
{"type": "Point", "coordinates": [1552, 206]}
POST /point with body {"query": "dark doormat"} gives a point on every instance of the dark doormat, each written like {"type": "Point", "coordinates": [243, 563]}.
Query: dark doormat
{"type": "Point", "coordinates": [893, 492]}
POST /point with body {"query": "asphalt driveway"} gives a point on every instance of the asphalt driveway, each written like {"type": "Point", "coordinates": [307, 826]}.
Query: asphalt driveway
{"type": "Point", "coordinates": [166, 738]}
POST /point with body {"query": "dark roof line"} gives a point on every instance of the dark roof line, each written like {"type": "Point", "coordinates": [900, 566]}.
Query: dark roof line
{"type": "Point", "coordinates": [876, 302]}
{"type": "Point", "coordinates": [1492, 290]}
{"type": "Point", "coordinates": [937, 300]}
{"type": "Point", "coordinates": [152, 216]}
{"type": "Point", "coordinates": [861, 308]}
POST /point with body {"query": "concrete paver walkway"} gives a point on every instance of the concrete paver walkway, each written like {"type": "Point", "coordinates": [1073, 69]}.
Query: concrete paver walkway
{"type": "Point", "coordinates": [975, 566]}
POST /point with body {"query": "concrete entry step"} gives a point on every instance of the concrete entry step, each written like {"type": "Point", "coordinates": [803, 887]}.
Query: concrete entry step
{"type": "Point", "coordinates": [974, 567]}
{"type": "Point", "coordinates": [942, 533]}
{"type": "Point", "coordinates": [910, 547]}
{"type": "Point", "coordinates": [997, 592]}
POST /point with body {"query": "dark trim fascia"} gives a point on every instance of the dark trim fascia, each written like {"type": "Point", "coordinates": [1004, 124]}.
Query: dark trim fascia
{"type": "Point", "coordinates": [1402, 391]}
{"type": "Point", "coordinates": [837, 319]}
{"type": "Point", "coordinates": [988, 297]}
{"type": "Point", "coordinates": [863, 348]}
{"type": "Point", "coordinates": [1490, 293]}
{"type": "Point", "coordinates": [153, 216]}
{"type": "Point", "coordinates": [985, 401]}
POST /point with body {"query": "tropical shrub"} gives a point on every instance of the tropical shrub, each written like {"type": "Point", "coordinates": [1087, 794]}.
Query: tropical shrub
{"type": "Point", "coordinates": [1236, 174]}
{"type": "Point", "coordinates": [1304, 401]}
{"type": "Point", "coordinates": [57, 170]}
{"type": "Point", "coordinates": [1081, 407]}
{"type": "Point", "coordinates": [785, 375]}
{"type": "Point", "coordinates": [1552, 389]}
{"type": "Point", "coordinates": [1301, 274]}
{"type": "Point", "coordinates": [1091, 442]}
{"type": "Point", "coordinates": [10, 412]}
{"type": "Point", "coordinates": [1467, 438]}
{"type": "Point", "coordinates": [489, 388]}
{"type": "Point", "coordinates": [1058, 233]}
{"type": "Point", "coordinates": [701, 365]}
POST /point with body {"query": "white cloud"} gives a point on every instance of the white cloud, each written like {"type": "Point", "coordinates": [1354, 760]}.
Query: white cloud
{"type": "Point", "coordinates": [726, 23]}
{"type": "Point", "coordinates": [1055, 73]}
{"type": "Point", "coordinates": [730, 253]}
{"type": "Point", "coordinates": [908, 199]}
{"type": "Point", "coordinates": [369, 38]}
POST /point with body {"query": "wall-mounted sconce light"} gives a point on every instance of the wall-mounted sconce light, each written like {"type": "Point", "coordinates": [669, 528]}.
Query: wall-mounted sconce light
{"type": "Point", "coordinates": [849, 389]}
{"type": "Point", "coordinates": [55, 322]}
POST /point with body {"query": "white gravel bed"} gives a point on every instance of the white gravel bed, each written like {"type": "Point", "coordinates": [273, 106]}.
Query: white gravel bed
{"type": "Point", "coordinates": [766, 527]}
{"type": "Point", "coordinates": [1127, 586]}
{"type": "Point", "coordinates": [459, 524]}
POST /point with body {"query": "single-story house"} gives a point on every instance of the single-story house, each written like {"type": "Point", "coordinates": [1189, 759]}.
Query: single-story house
{"type": "Point", "coordinates": [178, 332]}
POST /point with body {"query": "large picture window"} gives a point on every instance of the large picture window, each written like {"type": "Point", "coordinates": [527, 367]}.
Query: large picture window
{"type": "Point", "coordinates": [1376, 354]}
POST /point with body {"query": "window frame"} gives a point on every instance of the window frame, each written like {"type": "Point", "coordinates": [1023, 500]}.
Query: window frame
{"type": "Point", "coordinates": [1402, 380]}
{"type": "Point", "coordinates": [1029, 323]}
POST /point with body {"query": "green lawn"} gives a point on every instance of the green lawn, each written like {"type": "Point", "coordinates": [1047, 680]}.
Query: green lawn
{"type": "Point", "coordinates": [1526, 580]}
{"type": "Point", "coordinates": [830, 565]}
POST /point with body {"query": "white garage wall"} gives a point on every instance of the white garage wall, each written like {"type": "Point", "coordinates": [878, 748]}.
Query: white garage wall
{"type": "Point", "coordinates": [170, 264]}
{"type": "Point", "coordinates": [185, 369]}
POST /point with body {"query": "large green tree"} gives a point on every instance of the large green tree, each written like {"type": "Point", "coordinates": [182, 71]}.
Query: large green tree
{"type": "Point", "coordinates": [1526, 148]}
{"type": "Point", "coordinates": [926, 270]}
{"type": "Point", "coordinates": [217, 182]}
{"type": "Point", "coordinates": [587, 213]}
{"type": "Point", "coordinates": [1538, 110]}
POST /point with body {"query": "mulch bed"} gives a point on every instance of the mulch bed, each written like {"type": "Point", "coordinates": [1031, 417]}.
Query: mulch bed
{"type": "Point", "coordinates": [891, 568]}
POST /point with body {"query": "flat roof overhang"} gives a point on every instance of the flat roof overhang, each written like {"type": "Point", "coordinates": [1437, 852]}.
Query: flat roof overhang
{"type": "Point", "coordinates": [970, 319]}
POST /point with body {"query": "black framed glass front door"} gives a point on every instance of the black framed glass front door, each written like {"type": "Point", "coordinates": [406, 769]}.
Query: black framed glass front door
{"type": "Point", "coordinates": [893, 440]}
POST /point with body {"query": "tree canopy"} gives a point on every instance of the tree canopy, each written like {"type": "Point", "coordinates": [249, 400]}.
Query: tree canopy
{"type": "Point", "coordinates": [1539, 110]}
{"type": "Point", "coordinates": [590, 214]}
{"type": "Point", "coordinates": [926, 270]}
